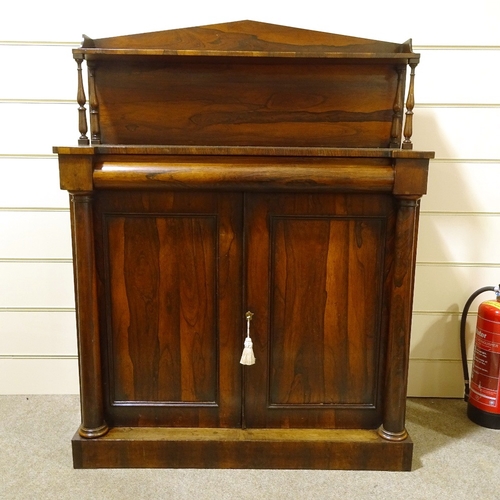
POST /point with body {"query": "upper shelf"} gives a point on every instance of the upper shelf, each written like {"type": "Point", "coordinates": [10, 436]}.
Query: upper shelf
{"type": "Point", "coordinates": [246, 39]}
{"type": "Point", "coordinates": [243, 84]}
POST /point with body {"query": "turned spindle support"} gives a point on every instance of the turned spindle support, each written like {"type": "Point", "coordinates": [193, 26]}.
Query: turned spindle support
{"type": "Point", "coordinates": [410, 104]}
{"type": "Point", "coordinates": [397, 117]}
{"type": "Point", "coordinates": [95, 132]}
{"type": "Point", "coordinates": [81, 100]}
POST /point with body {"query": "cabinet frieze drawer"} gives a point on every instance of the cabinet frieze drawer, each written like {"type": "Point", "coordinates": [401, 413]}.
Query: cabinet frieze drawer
{"type": "Point", "coordinates": [251, 177]}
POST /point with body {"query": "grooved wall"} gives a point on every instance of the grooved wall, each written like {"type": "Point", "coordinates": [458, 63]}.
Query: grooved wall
{"type": "Point", "coordinates": [457, 115]}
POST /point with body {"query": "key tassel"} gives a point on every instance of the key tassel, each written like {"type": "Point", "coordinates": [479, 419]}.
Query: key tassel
{"type": "Point", "coordinates": [248, 358]}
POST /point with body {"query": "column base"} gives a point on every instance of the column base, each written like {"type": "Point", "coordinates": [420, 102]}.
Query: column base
{"type": "Point", "coordinates": [93, 433]}
{"type": "Point", "coordinates": [392, 436]}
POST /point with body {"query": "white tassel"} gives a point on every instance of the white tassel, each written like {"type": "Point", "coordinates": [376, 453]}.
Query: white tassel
{"type": "Point", "coordinates": [248, 358]}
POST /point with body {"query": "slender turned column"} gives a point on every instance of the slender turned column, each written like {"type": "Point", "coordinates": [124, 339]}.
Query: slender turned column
{"type": "Point", "coordinates": [81, 99]}
{"type": "Point", "coordinates": [410, 104]}
{"type": "Point", "coordinates": [91, 396]}
{"type": "Point", "coordinates": [95, 131]}
{"type": "Point", "coordinates": [398, 346]}
{"type": "Point", "coordinates": [397, 108]}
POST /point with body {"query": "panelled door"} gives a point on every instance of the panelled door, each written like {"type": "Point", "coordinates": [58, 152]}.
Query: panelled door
{"type": "Point", "coordinates": [315, 282]}
{"type": "Point", "coordinates": [170, 268]}
{"type": "Point", "coordinates": [174, 286]}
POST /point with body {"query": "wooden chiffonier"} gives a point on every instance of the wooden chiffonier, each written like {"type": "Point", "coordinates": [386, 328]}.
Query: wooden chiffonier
{"type": "Point", "coordinates": [234, 168]}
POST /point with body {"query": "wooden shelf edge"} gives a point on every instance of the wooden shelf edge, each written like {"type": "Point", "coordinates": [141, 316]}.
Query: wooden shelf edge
{"type": "Point", "coordinates": [333, 152]}
{"type": "Point", "coordinates": [90, 53]}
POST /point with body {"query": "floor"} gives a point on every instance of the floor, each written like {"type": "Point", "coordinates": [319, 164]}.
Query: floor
{"type": "Point", "coordinates": [453, 458]}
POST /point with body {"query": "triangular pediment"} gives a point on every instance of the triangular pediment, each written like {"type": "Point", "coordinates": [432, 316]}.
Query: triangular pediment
{"type": "Point", "coordinates": [247, 37]}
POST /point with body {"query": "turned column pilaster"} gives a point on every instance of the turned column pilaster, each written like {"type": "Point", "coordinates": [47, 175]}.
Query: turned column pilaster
{"type": "Point", "coordinates": [398, 343]}
{"type": "Point", "coordinates": [91, 396]}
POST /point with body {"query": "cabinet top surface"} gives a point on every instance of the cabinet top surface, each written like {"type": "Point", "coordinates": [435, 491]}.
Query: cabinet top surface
{"type": "Point", "coordinates": [245, 39]}
{"type": "Point", "coordinates": [244, 151]}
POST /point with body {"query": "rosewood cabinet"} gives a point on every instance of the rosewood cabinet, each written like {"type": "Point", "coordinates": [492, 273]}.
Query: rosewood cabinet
{"type": "Point", "coordinates": [232, 168]}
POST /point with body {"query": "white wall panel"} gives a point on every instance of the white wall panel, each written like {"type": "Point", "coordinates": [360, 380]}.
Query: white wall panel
{"type": "Point", "coordinates": [36, 285]}
{"type": "Point", "coordinates": [41, 191]}
{"type": "Point", "coordinates": [457, 76]}
{"type": "Point", "coordinates": [35, 235]}
{"type": "Point", "coordinates": [426, 21]}
{"type": "Point", "coordinates": [459, 238]}
{"type": "Point", "coordinates": [38, 72]}
{"type": "Point", "coordinates": [437, 336]}
{"type": "Point", "coordinates": [436, 379]}
{"type": "Point", "coordinates": [457, 115]}
{"type": "Point", "coordinates": [38, 376]}
{"type": "Point", "coordinates": [458, 133]}
{"type": "Point", "coordinates": [463, 187]}
{"type": "Point", "coordinates": [446, 288]}
{"type": "Point", "coordinates": [41, 333]}
{"type": "Point", "coordinates": [34, 128]}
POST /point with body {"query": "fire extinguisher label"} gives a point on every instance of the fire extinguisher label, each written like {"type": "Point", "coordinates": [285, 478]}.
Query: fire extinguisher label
{"type": "Point", "coordinates": [485, 382]}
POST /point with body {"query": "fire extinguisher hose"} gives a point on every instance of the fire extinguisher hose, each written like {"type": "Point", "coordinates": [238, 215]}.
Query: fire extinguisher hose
{"type": "Point", "coordinates": [463, 348]}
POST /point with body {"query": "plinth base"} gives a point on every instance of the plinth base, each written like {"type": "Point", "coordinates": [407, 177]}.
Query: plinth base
{"type": "Point", "coordinates": [154, 447]}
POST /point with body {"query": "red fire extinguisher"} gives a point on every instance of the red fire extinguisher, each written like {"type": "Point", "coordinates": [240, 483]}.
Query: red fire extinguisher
{"type": "Point", "coordinates": [483, 392]}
